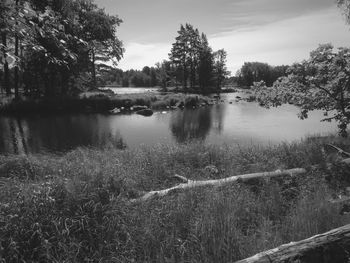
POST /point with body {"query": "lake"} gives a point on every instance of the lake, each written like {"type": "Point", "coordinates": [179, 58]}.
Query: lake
{"type": "Point", "coordinates": [239, 123]}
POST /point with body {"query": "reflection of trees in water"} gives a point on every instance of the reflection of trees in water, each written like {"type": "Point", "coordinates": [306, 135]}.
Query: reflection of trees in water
{"type": "Point", "coordinates": [196, 124]}
{"type": "Point", "coordinates": [55, 133]}
{"type": "Point", "coordinates": [191, 124]}
{"type": "Point", "coordinates": [12, 138]}
{"type": "Point", "coordinates": [218, 112]}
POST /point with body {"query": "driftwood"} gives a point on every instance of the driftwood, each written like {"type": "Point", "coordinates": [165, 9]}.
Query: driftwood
{"type": "Point", "coordinates": [332, 246]}
{"type": "Point", "coordinates": [340, 151]}
{"type": "Point", "coordinates": [219, 182]}
{"type": "Point", "coordinates": [187, 183]}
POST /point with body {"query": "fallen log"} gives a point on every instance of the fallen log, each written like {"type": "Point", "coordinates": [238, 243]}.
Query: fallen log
{"type": "Point", "coordinates": [340, 151]}
{"type": "Point", "coordinates": [333, 246]}
{"type": "Point", "coordinates": [218, 182]}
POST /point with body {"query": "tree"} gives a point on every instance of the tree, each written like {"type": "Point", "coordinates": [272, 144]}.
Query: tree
{"type": "Point", "coordinates": [185, 53]}
{"type": "Point", "coordinates": [163, 71]}
{"type": "Point", "coordinates": [179, 54]}
{"type": "Point", "coordinates": [192, 55]}
{"type": "Point", "coordinates": [58, 44]}
{"type": "Point", "coordinates": [206, 64]}
{"type": "Point", "coordinates": [252, 72]}
{"type": "Point", "coordinates": [220, 69]}
{"type": "Point", "coordinates": [320, 83]}
{"type": "Point", "coordinates": [5, 18]}
{"type": "Point", "coordinates": [344, 5]}
{"type": "Point", "coordinates": [99, 31]}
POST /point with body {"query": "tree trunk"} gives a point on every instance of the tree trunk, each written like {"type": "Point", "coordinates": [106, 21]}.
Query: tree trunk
{"type": "Point", "coordinates": [93, 68]}
{"type": "Point", "coordinates": [16, 54]}
{"type": "Point", "coordinates": [65, 82]}
{"type": "Point", "coordinates": [332, 247]}
{"type": "Point", "coordinates": [6, 66]}
{"type": "Point", "coordinates": [16, 69]}
{"type": "Point", "coordinates": [184, 77]}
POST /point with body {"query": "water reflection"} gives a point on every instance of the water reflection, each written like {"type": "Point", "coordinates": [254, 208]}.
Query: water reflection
{"type": "Point", "coordinates": [190, 124]}
{"type": "Point", "coordinates": [240, 122]}
{"type": "Point", "coordinates": [218, 113]}
{"type": "Point", "coordinates": [54, 133]}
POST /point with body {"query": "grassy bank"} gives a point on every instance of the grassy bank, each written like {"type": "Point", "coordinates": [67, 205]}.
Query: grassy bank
{"type": "Point", "coordinates": [100, 102]}
{"type": "Point", "coordinates": [75, 207]}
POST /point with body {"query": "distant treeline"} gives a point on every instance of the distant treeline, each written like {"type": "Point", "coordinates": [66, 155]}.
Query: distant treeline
{"type": "Point", "coordinates": [147, 77]}
{"type": "Point", "coordinates": [192, 66]}
{"type": "Point", "coordinates": [249, 73]}
{"type": "Point", "coordinates": [252, 72]}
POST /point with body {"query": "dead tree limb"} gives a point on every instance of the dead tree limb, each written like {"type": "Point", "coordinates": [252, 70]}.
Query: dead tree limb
{"type": "Point", "coordinates": [340, 151]}
{"type": "Point", "coordinates": [333, 245]}
{"type": "Point", "coordinates": [219, 182]}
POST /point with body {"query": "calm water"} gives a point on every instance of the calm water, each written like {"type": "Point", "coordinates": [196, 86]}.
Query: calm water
{"type": "Point", "coordinates": [238, 123]}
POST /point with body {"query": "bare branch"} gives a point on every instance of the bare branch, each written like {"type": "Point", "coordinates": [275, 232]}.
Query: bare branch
{"type": "Point", "coordinates": [218, 182]}
{"type": "Point", "coordinates": [181, 178]}
{"type": "Point", "coordinates": [340, 151]}
{"type": "Point", "coordinates": [307, 248]}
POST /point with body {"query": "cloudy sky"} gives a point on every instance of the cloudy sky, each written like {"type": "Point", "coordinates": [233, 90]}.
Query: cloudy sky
{"type": "Point", "coordinates": [272, 31]}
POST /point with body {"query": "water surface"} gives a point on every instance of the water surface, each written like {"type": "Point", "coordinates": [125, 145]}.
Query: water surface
{"type": "Point", "coordinates": [237, 123]}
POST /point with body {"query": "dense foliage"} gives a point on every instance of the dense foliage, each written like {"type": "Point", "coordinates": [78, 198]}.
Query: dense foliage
{"type": "Point", "coordinates": [252, 72]}
{"type": "Point", "coordinates": [320, 83]}
{"type": "Point", "coordinates": [344, 5]}
{"type": "Point", "coordinates": [52, 47]}
{"type": "Point", "coordinates": [147, 77]}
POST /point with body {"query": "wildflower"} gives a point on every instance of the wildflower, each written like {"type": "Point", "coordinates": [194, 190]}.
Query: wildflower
{"type": "Point", "coordinates": [36, 192]}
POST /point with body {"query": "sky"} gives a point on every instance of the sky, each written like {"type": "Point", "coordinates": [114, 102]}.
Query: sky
{"type": "Point", "coordinates": [272, 31]}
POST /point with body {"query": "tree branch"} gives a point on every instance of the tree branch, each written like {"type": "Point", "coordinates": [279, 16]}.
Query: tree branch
{"type": "Point", "coordinates": [308, 249]}
{"type": "Point", "coordinates": [340, 151]}
{"type": "Point", "coordinates": [218, 182]}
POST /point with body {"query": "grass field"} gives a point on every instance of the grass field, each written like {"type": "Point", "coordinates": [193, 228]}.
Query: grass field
{"type": "Point", "coordinates": [76, 207]}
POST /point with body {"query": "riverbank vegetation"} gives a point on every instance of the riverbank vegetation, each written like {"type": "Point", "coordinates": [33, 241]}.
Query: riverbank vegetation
{"type": "Point", "coordinates": [103, 102]}
{"type": "Point", "coordinates": [76, 207]}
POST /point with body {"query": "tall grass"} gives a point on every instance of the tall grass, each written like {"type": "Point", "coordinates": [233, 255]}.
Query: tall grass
{"type": "Point", "coordinates": [76, 208]}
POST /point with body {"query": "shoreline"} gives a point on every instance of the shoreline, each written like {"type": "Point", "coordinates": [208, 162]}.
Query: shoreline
{"type": "Point", "coordinates": [103, 101]}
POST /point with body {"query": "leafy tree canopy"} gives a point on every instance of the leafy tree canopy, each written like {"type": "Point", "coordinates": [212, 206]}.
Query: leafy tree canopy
{"type": "Point", "coordinates": [320, 83]}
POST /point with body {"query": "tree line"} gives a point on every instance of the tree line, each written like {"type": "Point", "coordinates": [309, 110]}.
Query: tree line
{"type": "Point", "coordinates": [54, 47]}
{"type": "Point", "coordinates": [252, 72]}
{"type": "Point", "coordinates": [147, 77]}
{"type": "Point", "coordinates": [192, 66]}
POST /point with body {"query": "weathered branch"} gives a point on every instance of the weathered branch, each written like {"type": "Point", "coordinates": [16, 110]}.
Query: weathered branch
{"type": "Point", "coordinates": [218, 182]}
{"type": "Point", "coordinates": [340, 151]}
{"type": "Point", "coordinates": [340, 200]}
{"type": "Point", "coordinates": [181, 178]}
{"type": "Point", "coordinates": [187, 184]}
{"type": "Point", "coordinates": [331, 245]}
